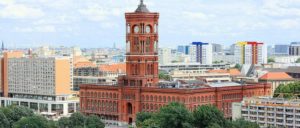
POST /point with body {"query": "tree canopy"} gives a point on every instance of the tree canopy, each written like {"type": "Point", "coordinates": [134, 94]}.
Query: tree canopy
{"type": "Point", "coordinates": [20, 117]}
{"type": "Point", "coordinates": [298, 60]}
{"type": "Point", "coordinates": [77, 120]}
{"type": "Point", "coordinates": [164, 76]}
{"type": "Point", "coordinates": [32, 122]}
{"type": "Point", "coordinates": [176, 115]}
{"type": "Point", "coordinates": [4, 123]}
{"type": "Point", "coordinates": [271, 60]}
{"type": "Point", "coordinates": [288, 90]}
{"type": "Point", "coordinates": [207, 115]}
{"type": "Point", "coordinates": [94, 121]}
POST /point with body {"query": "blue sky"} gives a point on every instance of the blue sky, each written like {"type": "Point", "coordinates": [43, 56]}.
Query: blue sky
{"type": "Point", "coordinates": [100, 23]}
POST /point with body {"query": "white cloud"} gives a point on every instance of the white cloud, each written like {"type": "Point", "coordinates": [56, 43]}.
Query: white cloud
{"type": "Point", "coordinates": [281, 7]}
{"type": "Point", "coordinates": [6, 2]}
{"type": "Point", "coordinates": [99, 13]}
{"type": "Point", "coordinates": [19, 11]}
{"type": "Point", "coordinates": [288, 23]}
{"type": "Point", "coordinates": [46, 29]}
{"type": "Point", "coordinates": [197, 15]}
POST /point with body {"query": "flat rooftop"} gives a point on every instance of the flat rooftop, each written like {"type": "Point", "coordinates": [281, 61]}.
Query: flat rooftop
{"type": "Point", "coordinates": [224, 84]}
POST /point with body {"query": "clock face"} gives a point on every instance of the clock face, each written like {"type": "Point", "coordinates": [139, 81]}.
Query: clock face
{"type": "Point", "coordinates": [136, 29]}
{"type": "Point", "coordinates": [148, 29]}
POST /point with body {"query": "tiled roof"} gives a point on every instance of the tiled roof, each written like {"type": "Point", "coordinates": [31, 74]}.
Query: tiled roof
{"type": "Point", "coordinates": [276, 76]}
{"type": "Point", "coordinates": [234, 72]}
{"type": "Point", "coordinates": [116, 68]}
{"type": "Point", "coordinates": [84, 64]}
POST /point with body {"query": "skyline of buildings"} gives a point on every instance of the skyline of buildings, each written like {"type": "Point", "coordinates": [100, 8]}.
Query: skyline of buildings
{"type": "Point", "coordinates": [140, 75]}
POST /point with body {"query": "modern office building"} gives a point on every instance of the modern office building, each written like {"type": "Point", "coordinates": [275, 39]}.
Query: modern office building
{"type": "Point", "coordinates": [29, 81]}
{"type": "Point", "coordinates": [140, 89]}
{"type": "Point", "coordinates": [183, 49]}
{"type": "Point", "coordinates": [217, 48]}
{"type": "Point", "coordinates": [269, 112]}
{"type": "Point", "coordinates": [165, 55]}
{"type": "Point", "coordinates": [294, 49]}
{"type": "Point", "coordinates": [250, 53]}
{"type": "Point", "coordinates": [201, 52]}
{"type": "Point", "coordinates": [281, 50]}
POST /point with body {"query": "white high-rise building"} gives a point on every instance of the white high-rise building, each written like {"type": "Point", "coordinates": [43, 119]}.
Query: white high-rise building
{"type": "Point", "coordinates": [201, 53]}
{"type": "Point", "coordinates": [250, 53]}
{"type": "Point", "coordinates": [164, 55]}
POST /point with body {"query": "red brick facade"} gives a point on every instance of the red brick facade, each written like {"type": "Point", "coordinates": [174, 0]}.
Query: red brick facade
{"type": "Point", "coordinates": [138, 90]}
{"type": "Point", "coordinates": [122, 103]}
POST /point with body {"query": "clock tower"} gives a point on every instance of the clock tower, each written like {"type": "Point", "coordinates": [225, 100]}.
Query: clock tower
{"type": "Point", "coordinates": [141, 47]}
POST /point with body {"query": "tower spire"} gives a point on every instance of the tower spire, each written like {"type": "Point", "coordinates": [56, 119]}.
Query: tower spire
{"type": "Point", "coordinates": [142, 8]}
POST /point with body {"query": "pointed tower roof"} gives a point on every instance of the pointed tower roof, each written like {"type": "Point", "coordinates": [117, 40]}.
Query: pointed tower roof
{"type": "Point", "coordinates": [142, 8]}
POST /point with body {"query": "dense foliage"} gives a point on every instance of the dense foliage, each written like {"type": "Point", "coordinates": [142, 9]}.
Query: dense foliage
{"type": "Point", "coordinates": [298, 60]}
{"type": "Point", "coordinates": [206, 115]}
{"type": "Point", "coordinates": [288, 90]}
{"type": "Point", "coordinates": [164, 76]}
{"type": "Point", "coordinates": [176, 115]}
{"type": "Point", "coordinates": [271, 60]}
{"type": "Point", "coordinates": [238, 66]}
{"type": "Point", "coordinates": [20, 117]}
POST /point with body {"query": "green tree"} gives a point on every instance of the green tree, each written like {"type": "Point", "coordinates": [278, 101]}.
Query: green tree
{"type": "Point", "coordinates": [94, 121]}
{"type": "Point", "coordinates": [15, 113]}
{"type": "Point", "coordinates": [174, 115]}
{"type": "Point", "coordinates": [77, 120]}
{"type": "Point", "coordinates": [241, 123]}
{"type": "Point", "coordinates": [4, 123]}
{"type": "Point", "coordinates": [271, 60]}
{"type": "Point", "coordinates": [149, 123]}
{"type": "Point", "coordinates": [142, 116]}
{"type": "Point", "coordinates": [32, 122]}
{"type": "Point", "coordinates": [298, 60]}
{"type": "Point", "coordinates": [288, 90]}
{"type": "Point", "coordinates": [63, 122]}
{"type": "Point", "coordinates": [164, 76]}
{"type": "Point", "coordinates": [238, 66]}
{"type": "Point", "coordinates": [207, 115]}
{"type": "Point", "coordinates": [52, 124]}
{"type": "Point", "coordinates": [214, 125]}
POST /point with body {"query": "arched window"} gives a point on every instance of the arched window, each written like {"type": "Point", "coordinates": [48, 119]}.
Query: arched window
{"type": "Point", "coordinates": [128, 46]}
{"type": "Point", "coordinates": [155, 28]}
{"type": "Point", "coordinates": [155, 46]}
{"type": "Point", "coordinates": [129, 108]}
{"type": "Point", "coordinates": [128, 28]}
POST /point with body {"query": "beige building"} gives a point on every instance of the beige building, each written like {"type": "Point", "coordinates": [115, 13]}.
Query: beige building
{"type": "Point", "coordinates": [198, 74]}
{"type": "Point", "coordinates": [37, 80]}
